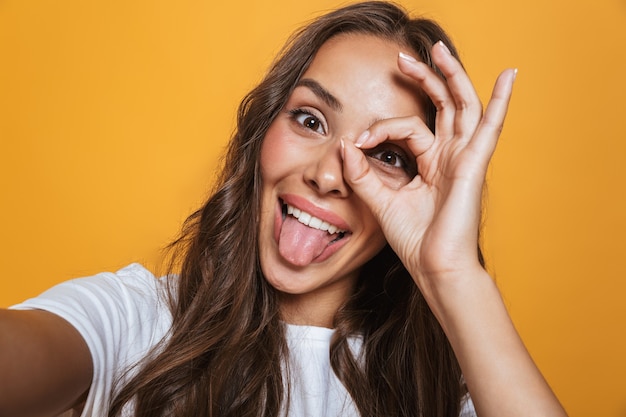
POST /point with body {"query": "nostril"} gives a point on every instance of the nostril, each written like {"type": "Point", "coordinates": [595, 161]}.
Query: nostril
{"type": "Point", "coordinates": [314, 184]}
{"type": "Point", "coordinates": [326, 176]}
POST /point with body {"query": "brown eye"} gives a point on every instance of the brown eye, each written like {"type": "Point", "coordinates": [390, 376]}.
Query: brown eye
{"type": "Point", "coordinates": [392, 158]}
{"type": "Point", "coordinates": [311, 123]}
{"type": "Point", "coordinates": [388, 157]}
{"type": "Point", "coordinates": [308, 120]}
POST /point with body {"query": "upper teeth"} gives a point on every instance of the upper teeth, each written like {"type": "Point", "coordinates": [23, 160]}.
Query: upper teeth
{"type": "Point", "coordinates": [312, 221]}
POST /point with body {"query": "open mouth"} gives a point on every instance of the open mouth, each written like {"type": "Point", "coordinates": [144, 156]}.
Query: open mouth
{"type": "Point", "coordinates": [304, 238]}
{"type": "Point", "coordinates": [313, 222]}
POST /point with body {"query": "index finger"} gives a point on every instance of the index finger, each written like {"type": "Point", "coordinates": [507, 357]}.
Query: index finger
{"type": "Point", "coordinates": [412, 129]}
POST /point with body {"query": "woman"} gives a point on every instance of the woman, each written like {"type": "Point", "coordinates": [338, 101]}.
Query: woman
{"type": "Point", "coordinates": [335, 269]}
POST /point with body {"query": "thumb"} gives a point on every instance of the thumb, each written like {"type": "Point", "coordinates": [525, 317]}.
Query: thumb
{"type": "Point", "coordinates": [362, 179]}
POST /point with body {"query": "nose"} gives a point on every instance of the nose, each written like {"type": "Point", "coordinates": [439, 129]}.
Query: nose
{"type": "Point", "coordinates": [325, 171]}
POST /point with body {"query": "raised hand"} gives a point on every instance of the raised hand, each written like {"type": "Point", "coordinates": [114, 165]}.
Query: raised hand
{"type": "Point", "coordinates": [432, 222]}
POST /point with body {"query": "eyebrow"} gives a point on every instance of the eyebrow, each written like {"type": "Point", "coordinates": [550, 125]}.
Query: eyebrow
{"type": "Point", "coordinates": [321, 92]}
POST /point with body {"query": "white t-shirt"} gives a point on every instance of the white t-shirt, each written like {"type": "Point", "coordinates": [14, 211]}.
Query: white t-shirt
{"type": "Point", "coordinates": [123, 315]}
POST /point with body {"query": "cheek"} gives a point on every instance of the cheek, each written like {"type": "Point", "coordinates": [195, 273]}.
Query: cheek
{"type": "Point", "coordinates": [372, 231]}
{"type": "Point", "coordinates": [273, 150]}
{"type": "Point", "coordinates": [378, 237]}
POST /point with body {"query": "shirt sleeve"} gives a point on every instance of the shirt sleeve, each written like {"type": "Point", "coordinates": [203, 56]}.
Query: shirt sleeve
{"type": "Point", "coordinates": [467, 407]}
{"type": "Point", "coordinates": [121, 316]}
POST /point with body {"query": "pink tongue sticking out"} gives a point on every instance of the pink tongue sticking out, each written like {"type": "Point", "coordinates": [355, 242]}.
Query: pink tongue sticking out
{"type": "Point", "coordinates": [301, 244]}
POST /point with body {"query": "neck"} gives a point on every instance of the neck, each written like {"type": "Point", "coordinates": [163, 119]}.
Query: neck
{"type": "Point", "coordinates": [306, 312]}
{"type": "Point", "coordinates": [311, 309]}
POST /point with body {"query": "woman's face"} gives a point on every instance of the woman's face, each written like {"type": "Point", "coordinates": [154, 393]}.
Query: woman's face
{"type": "Point", "coordinates": [315, 233]}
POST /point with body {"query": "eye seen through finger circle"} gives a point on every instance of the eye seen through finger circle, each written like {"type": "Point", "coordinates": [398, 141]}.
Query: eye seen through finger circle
{"type": "Point", "coordinates": [393, 161]}
{"type": "Point", "coordinates": [390, 158]}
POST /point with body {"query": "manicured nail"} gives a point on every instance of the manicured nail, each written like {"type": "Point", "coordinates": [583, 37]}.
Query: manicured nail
{"type": "Point", "coordinates": [444, 47]}
{"type": "Point", "coordinates": [407, 57]}
{"type": "Point", "coordinates": [514, 74]}
{"type": "Point", "coordinates": [361, 139]}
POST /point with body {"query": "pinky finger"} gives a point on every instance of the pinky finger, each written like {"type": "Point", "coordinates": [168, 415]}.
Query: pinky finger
{"type": "Point", "coordinates": [486, 137]}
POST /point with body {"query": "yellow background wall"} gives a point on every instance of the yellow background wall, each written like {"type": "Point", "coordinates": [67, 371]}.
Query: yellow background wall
{"type": "Point", "coordinates": [113, 114]}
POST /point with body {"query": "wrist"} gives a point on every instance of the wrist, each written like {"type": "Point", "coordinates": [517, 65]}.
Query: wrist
{"type": "Point", "coordinates": [455, 296]}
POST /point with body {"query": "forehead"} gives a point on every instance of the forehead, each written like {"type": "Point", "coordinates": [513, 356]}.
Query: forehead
{"type": "Point", "coordinates": [362, 71]}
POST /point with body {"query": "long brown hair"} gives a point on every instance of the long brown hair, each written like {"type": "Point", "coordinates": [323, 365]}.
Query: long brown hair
{"type": "Point", "coordinates": [224, 353]}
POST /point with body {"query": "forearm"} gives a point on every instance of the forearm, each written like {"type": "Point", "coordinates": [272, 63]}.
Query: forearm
{"type": "Point", "coordinates": [500, 374]}
{"type": "Point", "coordinates": [44, 363]}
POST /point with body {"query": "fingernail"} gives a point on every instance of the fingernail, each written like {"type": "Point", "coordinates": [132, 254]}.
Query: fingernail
{"type": "Point", "coordinates": [361, 139]}
{"type": "Point", "coordinates": [343, 149]}
{"type": "Point", "coordinates": [407, 57]}
{"type": "Point", "coordinates": [514, 74]}
{"type": "Point", "coordinates": [444, 47]}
